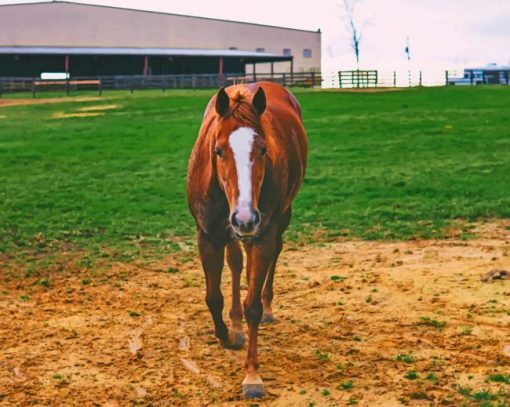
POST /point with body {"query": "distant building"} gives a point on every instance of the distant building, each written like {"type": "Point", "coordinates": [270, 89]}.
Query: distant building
{"type": "Point", "coordinates": [491, 74]}
{"type": "Point", "coordinates": [92, 40]}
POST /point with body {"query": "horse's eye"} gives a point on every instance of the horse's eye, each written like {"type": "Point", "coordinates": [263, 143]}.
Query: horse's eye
{"type": "Point", "coordinates": [218, 152]}
{"type": "Point", "coordinates": [263, 150]}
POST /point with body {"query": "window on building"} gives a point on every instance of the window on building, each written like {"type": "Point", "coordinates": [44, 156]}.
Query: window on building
{"type": "Point", "coordinates": [307, 53]}
{"type": "Point", "coordinates": [260, 50]}
{"type": "Point", "coordinates": [286, 51]}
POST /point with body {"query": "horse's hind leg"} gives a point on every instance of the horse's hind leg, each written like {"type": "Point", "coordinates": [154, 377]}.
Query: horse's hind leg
{"type": "Point", "coordinates": [267, 292]}
{"type": "Point", "coordinates": [235, 263]}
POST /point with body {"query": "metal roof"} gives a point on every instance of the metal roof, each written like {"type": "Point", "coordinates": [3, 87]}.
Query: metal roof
{"type": "Point", "coordinates": [182, 52]}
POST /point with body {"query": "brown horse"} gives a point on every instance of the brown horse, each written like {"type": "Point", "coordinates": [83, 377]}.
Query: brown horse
{"type": "Point", "coordinates": [246, 167]}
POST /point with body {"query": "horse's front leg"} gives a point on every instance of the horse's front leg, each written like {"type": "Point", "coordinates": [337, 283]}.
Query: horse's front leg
{"type": "Point", "coordinates": [260, 256]}
{"type": "Point", "coordinates": [212, 252]}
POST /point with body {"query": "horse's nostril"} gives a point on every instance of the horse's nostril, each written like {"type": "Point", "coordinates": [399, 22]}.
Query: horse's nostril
{"type": "Point", "coordinates": [256, 219]}
{"type": "Point", "coordinates": [246, 223]}
{"type": "Point", "coordinates": [233, 220]}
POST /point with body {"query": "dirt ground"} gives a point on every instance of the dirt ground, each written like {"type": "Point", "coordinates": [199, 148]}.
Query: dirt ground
{"type": "Point", "coordinates": [141, 335]}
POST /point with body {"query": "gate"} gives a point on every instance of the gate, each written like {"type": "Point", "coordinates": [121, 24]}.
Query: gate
{"type": "Point", "coordinates": [357, 79]}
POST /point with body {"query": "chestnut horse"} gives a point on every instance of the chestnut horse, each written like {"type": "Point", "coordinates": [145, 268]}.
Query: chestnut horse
{"type": "Point", "coordinates": [246, 167]}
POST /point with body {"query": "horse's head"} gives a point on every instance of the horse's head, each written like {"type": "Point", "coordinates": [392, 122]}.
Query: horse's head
{"type": "Point", "coordinates": [240, 151]}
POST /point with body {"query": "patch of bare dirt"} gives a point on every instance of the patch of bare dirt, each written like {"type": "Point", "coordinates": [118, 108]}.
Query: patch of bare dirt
{"type": "Point", "coordinates": [87, 111]}
{"type": "Point", "coordinates": [43, 101]}
{"type": "Point", "coordinates": [98, 108]}
{"type": "Point", "coordinates": [345, 311]}
{"type": "Point", "coordinates": [64, 115]}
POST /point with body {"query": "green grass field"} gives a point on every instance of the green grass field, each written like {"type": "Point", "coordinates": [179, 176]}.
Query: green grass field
{"type": "Point", "coordinates": [393, 165]}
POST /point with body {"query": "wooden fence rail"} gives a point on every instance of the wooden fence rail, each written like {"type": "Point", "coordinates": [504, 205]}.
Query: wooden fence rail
{"type": "Point", "coordinates": [341, 79]}
{"type": "Point", "coordinates": [161, 82]}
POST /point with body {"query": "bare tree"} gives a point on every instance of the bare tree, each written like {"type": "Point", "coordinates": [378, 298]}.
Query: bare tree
{"type": "Point", "coordinates": [353, 26]}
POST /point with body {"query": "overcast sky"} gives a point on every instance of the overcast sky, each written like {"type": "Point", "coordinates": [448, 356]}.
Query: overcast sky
{"type": "Point", "coordinates": [443, 33]}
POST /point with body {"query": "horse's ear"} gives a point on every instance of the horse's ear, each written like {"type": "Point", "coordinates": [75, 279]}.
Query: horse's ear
{"type": "Point", "coordinates": [259, 101]}
{"type": "Point", "coordinates": [222, 102]}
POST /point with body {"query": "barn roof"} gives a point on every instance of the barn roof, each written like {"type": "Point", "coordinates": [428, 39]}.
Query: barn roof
{"type": "Point", "coordinates": [181, 52]}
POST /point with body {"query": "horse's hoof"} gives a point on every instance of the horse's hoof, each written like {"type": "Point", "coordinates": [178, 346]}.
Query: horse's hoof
{"type": "Point", "coordinates": [253, 388]}
{"type": "Point", "coordinates": [235, 341]}
{"type": "Point", "coordinates": [267, 319]}
{"type": "Point", "coordinates": [253, 391]}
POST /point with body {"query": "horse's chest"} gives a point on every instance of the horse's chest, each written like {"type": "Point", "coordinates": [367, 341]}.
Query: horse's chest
{"type": "Point", "coordinates": [212, 215]}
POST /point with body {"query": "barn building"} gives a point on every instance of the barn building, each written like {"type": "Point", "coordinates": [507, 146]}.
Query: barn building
{"type": "Point", "coordinates": [92, 40]}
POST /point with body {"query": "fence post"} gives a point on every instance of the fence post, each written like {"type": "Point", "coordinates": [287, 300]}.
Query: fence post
{"type": "Point", "coordinates": [100, 86]}
{"type": "Point", "coordinates": [447, 79]}
{"type": "Point", "coordinates": [471, 77]}
{"type": "Point", "coordinates": [67, 86]}
{"type": "Point", "coordinates": [394, 79]}
{"type": "Point", "coordinates": [376, 78]}
{"type": "Point", "coordinates": [33, 89]}
{"type": "Point", "coordinates": [339, 79]}
{"type": "Point", "coordinates": [2, 86]}
{"type": "Point", "coordinates": [313, 79]}
{"type": "Point", "coordinates": [420, 80]}
{"type": "Point", "coordinates": [284, 80]}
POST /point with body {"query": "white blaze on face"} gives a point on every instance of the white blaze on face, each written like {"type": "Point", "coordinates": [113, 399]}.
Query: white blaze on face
{"type": "Point", "coordinates": [241, 143]}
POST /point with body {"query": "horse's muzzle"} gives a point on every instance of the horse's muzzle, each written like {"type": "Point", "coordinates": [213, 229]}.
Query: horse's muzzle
{"type": "Point", "coordinates": [245, 224]}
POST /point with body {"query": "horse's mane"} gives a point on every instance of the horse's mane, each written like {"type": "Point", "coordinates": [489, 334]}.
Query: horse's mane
{"type": "Point", "coordinates": [243, 110]}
